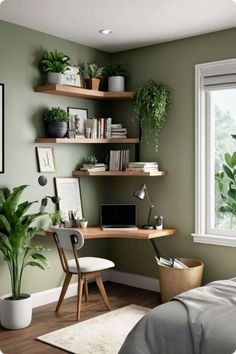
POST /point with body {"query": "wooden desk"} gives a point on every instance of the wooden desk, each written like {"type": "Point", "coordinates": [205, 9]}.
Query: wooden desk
{"type": "Point", "coordinates": [140, 234]}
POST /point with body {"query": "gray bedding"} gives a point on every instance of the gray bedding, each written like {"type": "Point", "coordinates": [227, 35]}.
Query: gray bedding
{"type": "Point", "coordinates": [199, 321]}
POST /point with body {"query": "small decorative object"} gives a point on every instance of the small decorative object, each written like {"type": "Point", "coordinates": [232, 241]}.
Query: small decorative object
{"type": "Point", "coordinates": [55, 65]}
{"type": "Point", "coordinates": [151, 104]}
{"type": "Point", "coordinates": [116, 74]}
{"type": "Point", "coordinates": [16, 233]}
{"type": "Point", "coordinates": [94, 74]}
{"type": "Point", "coordinates": [90, 161]}
{"type": "Point", "coordinates": [2, 128]}
{"type": "Point", "coordinates": [44, 202]}
{"type": "Point", "coordinates": [159, 222]}
{"type": "Point", "coordinates": [83, 223]}
{"type": "Point", "coordinates": [56, 122]}
{"type": "Point", "coordinates": [45, 157]}
{"type": "Point", "coordinates": [141, 193]}
{"type": "Point", "coordinates": [42, 181]}
{"type": "Point", "coordinates": [77, 117]}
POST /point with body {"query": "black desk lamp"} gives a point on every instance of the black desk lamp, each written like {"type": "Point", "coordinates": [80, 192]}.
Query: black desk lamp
{"type": "Point", "coordinates": [44, 202]}
{"type": "Point", "coordinates": [141, 193]}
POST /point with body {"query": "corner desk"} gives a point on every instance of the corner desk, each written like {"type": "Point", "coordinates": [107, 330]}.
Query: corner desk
{"type": "Point", "coordinates": [139, 234]}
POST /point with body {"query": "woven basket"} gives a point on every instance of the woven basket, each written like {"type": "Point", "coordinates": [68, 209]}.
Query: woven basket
{"type": "Point", "coordinates": [174, 281]}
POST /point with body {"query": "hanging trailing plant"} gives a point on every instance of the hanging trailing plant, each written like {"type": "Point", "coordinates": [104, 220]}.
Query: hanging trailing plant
{"type": "Point", "coordinates": [151, 104]}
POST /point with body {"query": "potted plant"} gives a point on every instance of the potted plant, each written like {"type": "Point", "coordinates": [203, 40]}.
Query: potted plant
{"type": "Point", "coordinates": [151, 104]}
{"type": "Point", "coordinates": [83, 223]}
{"type": "Point", "coordinates": [55, 218]}
{"type": "Point", "coordinates": [56, 122]}
{"type": "Point", "coordinates": [16, 233]}
{"type": "Point", "coordinates": [55, 64]}
{"type": "Point", "coordinates": [90, 161]}
{"type": "Point", "coordinates": [94, 73]}
{"type": "Point", "coordinates": [116, 74]}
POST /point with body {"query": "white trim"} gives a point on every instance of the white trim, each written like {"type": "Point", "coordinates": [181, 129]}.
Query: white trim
{"type": "Point", "coordinates": [201, 174]}
{"type": "Point", "coordinates": [215, 240]}
{"type": "Point", "coordinates": [139, 281]}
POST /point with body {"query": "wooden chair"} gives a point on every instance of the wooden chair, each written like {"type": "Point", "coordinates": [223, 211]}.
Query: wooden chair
{"type": "Point", "coordinates": [85, 267]}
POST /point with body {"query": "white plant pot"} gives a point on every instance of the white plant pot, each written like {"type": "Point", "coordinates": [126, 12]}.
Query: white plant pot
{"type": "Point", "coordinates": [55, 78]}
{"type": "Point", "coordinates": [83, 224]}
{"type": "Point", "coordinates": [15, 314]}
{"type": "Point", "coordinates": [116, 84]}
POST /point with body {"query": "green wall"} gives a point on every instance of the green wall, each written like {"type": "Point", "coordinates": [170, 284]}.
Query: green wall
{"type": "Point", "coordinates": [173, 195]}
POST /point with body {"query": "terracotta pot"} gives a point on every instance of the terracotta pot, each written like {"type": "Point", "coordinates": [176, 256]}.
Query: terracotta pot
{"type": "Point", "coordinates": [92, 84]}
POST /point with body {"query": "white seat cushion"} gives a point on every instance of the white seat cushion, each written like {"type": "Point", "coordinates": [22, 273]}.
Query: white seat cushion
{"type": "Point", "coordinates": [90, 264]}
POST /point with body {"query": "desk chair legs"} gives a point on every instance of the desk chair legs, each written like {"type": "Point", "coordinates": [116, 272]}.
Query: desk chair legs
{"type": "Point", "coordinates": [79, 296]}
{"type": "Point", "coordinates": [64, 290]}
{"type": "Point", "coordinates": [86, 290]}
{"type": "Point", "coordinates": [102, 291]}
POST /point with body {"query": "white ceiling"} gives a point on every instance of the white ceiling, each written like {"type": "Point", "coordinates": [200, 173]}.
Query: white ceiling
{"type": "Point", "coordinates": [134, 23]}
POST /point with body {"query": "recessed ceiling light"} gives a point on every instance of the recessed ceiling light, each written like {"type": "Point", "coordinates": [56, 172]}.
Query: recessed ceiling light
{"type": "Point", "coordinates": [1, 1]}
{"type": "Point", "coordinates": [234, 1]}
{"type": "Point", "coordinates": [107, 31]}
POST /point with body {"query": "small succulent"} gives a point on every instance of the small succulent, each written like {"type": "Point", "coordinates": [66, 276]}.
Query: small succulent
{"type": "Point", "coordinates": [56, 114]}
{"type": "Point", "coordinates": [55, 61]}
{"type": "Point", "coordinates": [55, 217]}
{"type": "Point", "coordinates": [91, 159]}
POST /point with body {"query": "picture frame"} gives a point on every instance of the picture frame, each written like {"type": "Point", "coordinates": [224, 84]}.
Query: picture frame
{"type": "Point", "coordinates": [68, 190]}
{"type": "Point", "coordinates": [46, 160]}
{"type": "Point", "coordinates": [72, 76]}
{"type": "Point", "coordinates": [1, 128]}
{"type": "Point", "coordinates": [77, 117]}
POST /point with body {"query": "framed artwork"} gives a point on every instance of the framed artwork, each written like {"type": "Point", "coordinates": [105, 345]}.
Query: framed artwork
{"type": "Point", "coordinates": [72, 76]}
{"type": "Point", "coordinates": [1, 128]}
{"type": "Point", "coordinates": [45, 156]}
{"type": "Point", "coordinates": [68, 190]}
{"type": "Point", "coordinates": [76, 120]}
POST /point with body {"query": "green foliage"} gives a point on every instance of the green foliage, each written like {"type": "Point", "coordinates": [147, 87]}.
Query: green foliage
{"type": "Point", "coordinates": [16, 234]}
{"type": "Point", "coordinates": [90, 159]}
{"type": "Point", "coordinates": [55, 61]}
{"type": "Point", "coordinates": [151, 104]}
{"type": "Point", "coordinates": [94, 71]}
{"type": "Point", "coordinates": [116, 70]}
{"type": "Point", "coordinates": [226, 182]}
{"type": "Point", "coordinates": [55, 217]}
{"type": "Point", "coordinates": [56, 114]}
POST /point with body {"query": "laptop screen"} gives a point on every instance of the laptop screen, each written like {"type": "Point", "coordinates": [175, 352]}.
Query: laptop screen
{"type": "Point", "coordinates": [118, 215]}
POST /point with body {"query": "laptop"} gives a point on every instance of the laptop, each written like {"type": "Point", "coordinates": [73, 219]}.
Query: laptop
{"type": "Point", "coordinates": [118, 217]}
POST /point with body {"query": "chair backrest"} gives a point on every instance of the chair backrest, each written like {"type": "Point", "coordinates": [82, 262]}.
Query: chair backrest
{"type": "Point", "coordinates": [68, 238]}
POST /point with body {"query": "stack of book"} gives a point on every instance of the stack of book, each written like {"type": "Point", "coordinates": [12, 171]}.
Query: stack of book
{"type": "Point", "coordinates": [142, 167]}
{"type": "Point", "coordinates": [100, 127]}
{"type": "Point", "coordinates": [118, 160]}
{"type": "Point", "coordinates": [117, 131]}
{"type": "Point", "coordinates": [93, 168]}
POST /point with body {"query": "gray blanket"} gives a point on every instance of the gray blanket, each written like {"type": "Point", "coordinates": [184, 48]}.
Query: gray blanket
{"type": "Point", "coordinates": [199, 321]}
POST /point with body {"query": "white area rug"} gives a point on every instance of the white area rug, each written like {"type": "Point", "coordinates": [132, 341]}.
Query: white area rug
{"type": "Point", "coordinates": [99, 335]}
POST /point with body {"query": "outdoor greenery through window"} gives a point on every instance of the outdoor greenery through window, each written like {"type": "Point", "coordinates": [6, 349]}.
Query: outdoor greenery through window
{"type": "Point", "coordinates": [223, 108]}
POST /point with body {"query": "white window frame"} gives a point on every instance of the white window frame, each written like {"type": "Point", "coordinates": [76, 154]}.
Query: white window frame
{"type": "Point", "coordinates": [202, 168]}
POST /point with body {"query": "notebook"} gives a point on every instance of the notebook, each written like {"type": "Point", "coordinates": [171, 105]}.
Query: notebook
{"type": "Point", "coordinates": [118, 217]}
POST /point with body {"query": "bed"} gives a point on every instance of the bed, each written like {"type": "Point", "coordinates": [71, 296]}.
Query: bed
{"type": "Point", "coordinates": [199, 321]}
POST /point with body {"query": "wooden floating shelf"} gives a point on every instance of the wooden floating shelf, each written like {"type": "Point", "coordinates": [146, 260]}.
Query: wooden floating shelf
{"type": "Point", "coordinates": [72, 91]}
{"type": "Point", "coordinates": [118, 173]}
{"type": "Point", "coordinates": [87, 141]}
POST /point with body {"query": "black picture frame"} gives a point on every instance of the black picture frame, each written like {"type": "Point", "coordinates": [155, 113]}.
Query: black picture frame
{"type": "Point", "coordinates": [77, 127]}
{"type": "Point", "coordinates": [2, 98]}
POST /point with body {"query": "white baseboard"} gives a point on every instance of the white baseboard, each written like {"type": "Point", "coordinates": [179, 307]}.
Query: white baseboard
{"type": "Point", "coordinates": [139, 281]}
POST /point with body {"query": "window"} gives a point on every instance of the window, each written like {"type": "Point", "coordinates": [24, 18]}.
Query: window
{"type": "Point", "coordinates": [215, 125]}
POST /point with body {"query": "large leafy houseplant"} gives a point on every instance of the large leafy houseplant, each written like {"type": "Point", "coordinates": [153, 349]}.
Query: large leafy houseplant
{"type": "Point", "coordinates": [16, 233]}
{"type": "Point", "coordinates": [226, 182]}
{"type": "Point", "coordinates": [56, 62]}
{"type": "Point", "coordinates": [151, 104]}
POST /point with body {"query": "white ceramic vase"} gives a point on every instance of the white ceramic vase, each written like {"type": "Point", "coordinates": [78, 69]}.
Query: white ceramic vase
{"type": "Point", "coordinates": [83, 224]}
{"type": "Point", "coordinates": [15, 314]}
{"type": "Point", "coordinates": [55, 78]}
{"type": "Point", "coordinates": [116, 83]}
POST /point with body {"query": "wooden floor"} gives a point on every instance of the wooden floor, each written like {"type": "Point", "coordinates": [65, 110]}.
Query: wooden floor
{"type": "Point", "coordinates": [46, 320]}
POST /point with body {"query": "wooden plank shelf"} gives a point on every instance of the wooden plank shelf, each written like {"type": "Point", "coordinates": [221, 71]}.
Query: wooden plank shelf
{"type": "Point", "coordinates": [119, 173]}
{"type": "Point", "coordinates": [72, 91]}
{"type": "Point", "coordinates": [87, 141]}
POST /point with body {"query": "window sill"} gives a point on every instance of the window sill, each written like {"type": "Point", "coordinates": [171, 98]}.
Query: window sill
{"type": "Point", "coordinates": [229, 241]}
